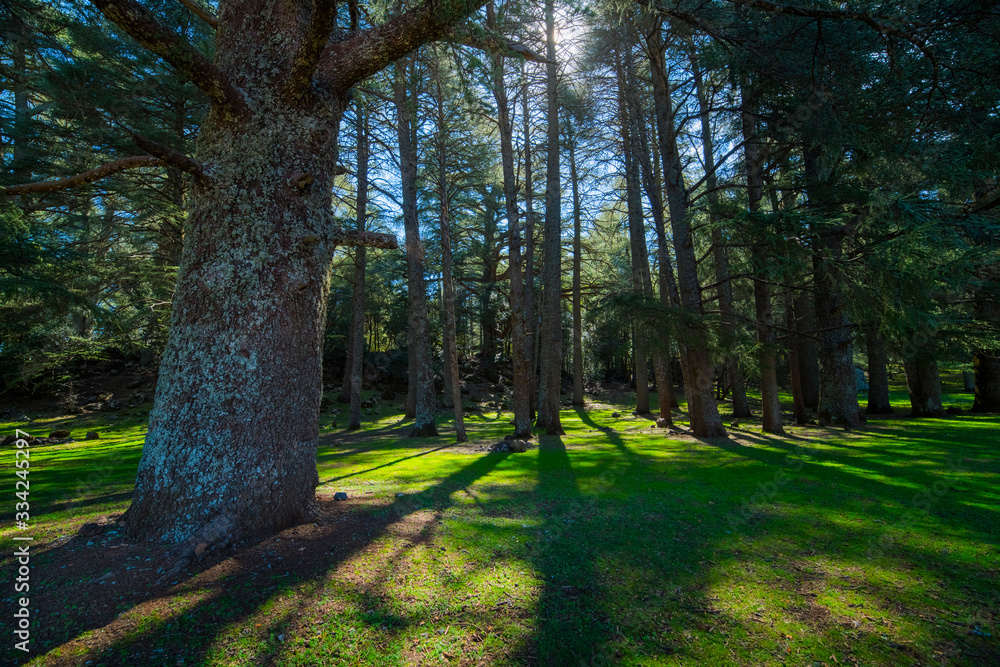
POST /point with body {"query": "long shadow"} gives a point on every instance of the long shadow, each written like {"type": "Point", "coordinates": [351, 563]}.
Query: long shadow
{"type": "Point", "coordinates": [227, 592]}
{"type": "Point", "coordinates": [385, 465]}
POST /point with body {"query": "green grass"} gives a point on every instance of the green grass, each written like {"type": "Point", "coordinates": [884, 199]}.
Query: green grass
{"type": "Point", "coordinates": [614, 544]}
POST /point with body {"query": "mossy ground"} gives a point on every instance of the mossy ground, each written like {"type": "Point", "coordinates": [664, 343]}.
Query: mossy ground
{"type": "Point", "coordinates": [614, 544]}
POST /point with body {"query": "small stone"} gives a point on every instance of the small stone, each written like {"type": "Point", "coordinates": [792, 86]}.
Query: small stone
{"type": "Point", "coordinates": [200, 549]}
{"type": "Point", "coordinates": [103, 521]}
{"type": "Point", "coordinates": [662, 423]}
{"type": "Point", "coordinates": [518, 446]}
{"type": "Point", "coordinates": [60, 433]}
{"type": "Point", "coordinates": [400, 494]}
{"type": "Point", "coordinates": [616, 415]}
{"type": "Point", "coordinates": [93, 435]}
{"type": "Point", "coordinates": [735, 424]}
{"type": "Point", "coordinates": [340, 495]}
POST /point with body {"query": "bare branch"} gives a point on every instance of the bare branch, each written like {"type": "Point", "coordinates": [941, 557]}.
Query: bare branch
{"type": "Point", "coordinates": [201, 12]}
{"type": "Point", "coordinates": [105, 170]}
{"type": "Point", "coordinates": [355, 238]}
{"type": "Point", "coordinates": [169, 156]}
{"type": "Point", "coordinates": [493, 43]}
{"type": "Point", "coordinates": [136, 20]}
{"type": "Point", "coordinates": [343, 64]}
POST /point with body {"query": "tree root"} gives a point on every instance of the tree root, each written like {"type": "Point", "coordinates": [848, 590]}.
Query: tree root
{"type": "Point", "coordinates": [214, 535]}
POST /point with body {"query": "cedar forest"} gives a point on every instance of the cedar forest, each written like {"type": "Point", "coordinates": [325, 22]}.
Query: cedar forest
{"type": "Point", "coordinates": [663, 310]}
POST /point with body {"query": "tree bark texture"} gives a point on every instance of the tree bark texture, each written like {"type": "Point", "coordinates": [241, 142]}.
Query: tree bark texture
{"type": "Point", "coordinates": [794, 362]}
{"type": "Point", "coordinates": [805, 327]}
{"type": "Point", "coordinates": [530, 316]}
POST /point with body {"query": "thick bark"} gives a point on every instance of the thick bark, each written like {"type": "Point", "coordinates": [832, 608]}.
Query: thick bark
{"type": "Point", "coordinates": [550, 354]}
{"type": "Point", "coordinates": [838, 394]}
{"type": "Point", "coordinates": [231, 447]}
{"type": "Point", "coordinates": [577, 268]}
{"type": "Point", "coordinates": [696, 360]}
{"type": "Point", "coordinates": [230, 452]}
{"type": "Point", "coordinates": [720, 252]}
{"type": "Point", "coordinates": [924, 385]}
{"type": "Point", "coordinates": [448, 306]}
{"type": "Point", "coordinates": [878, 374]}
{"type": "Point", "coordinates": [421, 371]}
{"type": "Point", "coordinates": [767, 353]}
{"type": "Point", "coordinates": [520, 338]}
{"type": "Point", "coordinates": [358, 298]}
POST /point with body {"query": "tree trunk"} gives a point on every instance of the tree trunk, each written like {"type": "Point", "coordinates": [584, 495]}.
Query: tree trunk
{"type": "Point", "coordinates": [794, 362]}
{"type": "Point", "coordinates": [696, 360]}
{"type": "Point", "coordinates": [986, 364]}
{"type": "Point", "coordinates": [924, 385]}
{"type": "Point", "coordinates": [422, 372]}
{"type": "Point", "coordinates": [520, 337]}
{"type": "Point", "coordinates": [530, 318]}
{"type": "Point", "coordinates": [805, 327]}
{"type": "Point", "coordinates": [878, 374]}
{"type": "Point", "coordinates": [838, 394]}
{"type": "Point", "coordinates": [450, 338]}
{"type": "Point", "coordinates": [767, 355]}
{"type": "Point", "coordinates": [577, 268]}
{"type": "Point", "coordinates": [358, 298]}
{"type": "Point", "coordinates": [550, 356]}
{"type": "Point", "coordinates": [720, 253]}
{"type": "Point", "coordinates": [231, 448]}
{"type": "Point", "coordinates": [636, 227]}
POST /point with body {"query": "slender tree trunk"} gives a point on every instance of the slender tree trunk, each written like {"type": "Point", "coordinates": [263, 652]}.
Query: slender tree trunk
{"type": "Point", "coordinates": [767, 354]}
{"type": "Point", "coordinates": [636, 227]}
{"type": "Point", "coordinates": [924, 385]}
{"type": "Point", "coordinates": [530, 318]}
{"type": "Point", "coordinates": [838, 394]}
{"type": "Point", "coordinates": [696, 360]}
{"type": "Point", "coordinates": [878, 374]}
{"type": "Point", "coordinates": [450, 338]}
{"type": "Point", "coordinates": [720, 252]}
{"type": "Point", "coordinates": [986, 361]}
{"type": "Point", "coordinates": [794, 363]}
{"type": "Point", "coordinates": [551, 334]}
{"type": "Point", "coordinates": [422, 373]}
{"type": "Point", "coordinates": [805, 327]}
{"type": "Point", "coordinates": [577, 268]}
{"type": "Point", "coordinates": [520, 337]}
{"type": "Point", "coordinates": [358, 298]}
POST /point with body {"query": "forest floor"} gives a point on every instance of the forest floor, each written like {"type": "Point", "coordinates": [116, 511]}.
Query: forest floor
{"type": "Point", "coordinates": [616, 544]}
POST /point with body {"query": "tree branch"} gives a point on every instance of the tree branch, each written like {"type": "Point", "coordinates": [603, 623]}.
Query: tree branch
{"type": "Point", "coordinates": [105, 170]}
{"type": "Point", "coordinates": [201, 12]}
{"type": "Point", "coordinates": [493, 43]}
{"type": "Point", "coordinates": [355, 238]}
{"type": "Point", "coordinates": [317, 34]}
{"type": "Point", "coordinates": [343, 64]}
{"type": "Point", "coordinates": [169, 156]}
{"type": "Point", "coordinates": [136, 20]}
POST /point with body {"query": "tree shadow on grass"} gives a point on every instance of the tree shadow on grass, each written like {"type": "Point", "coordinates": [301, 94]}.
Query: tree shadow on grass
{"type": "Point", "coordinates": [235, 597]}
